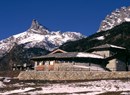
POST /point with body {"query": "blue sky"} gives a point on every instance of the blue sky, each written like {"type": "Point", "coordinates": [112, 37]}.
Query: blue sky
{"type": "Point", "coordinates": [82, 16]}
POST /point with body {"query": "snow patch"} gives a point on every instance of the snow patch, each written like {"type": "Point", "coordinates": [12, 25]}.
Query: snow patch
{"type": "Point", "coordinates": [91, 87]}
{"type": "Point", "coordinates": [117, 47]}
{"type": "Point", "coordinates": [20, 34]}
{"type": "Point", "coordinates": [119, 20]}
{"type": "Point", "coordinates": [2, 84]}
{"type": "Point", "coordinates": [100, 38]}
{"type": "Point", "coordinates": [17, 91]}
{"type": "Point", "coordinates": [32, 38]}
{"type": "Point", "coordinates": [7, 79]}
{"type": "Point", "coordinates": [89, 55]}
{"type": "Point", "coordinates": [127, 19]}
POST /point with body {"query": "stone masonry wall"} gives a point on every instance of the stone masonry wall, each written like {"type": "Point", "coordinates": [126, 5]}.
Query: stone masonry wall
{"type": "Point", "coordinates": [70, 75]}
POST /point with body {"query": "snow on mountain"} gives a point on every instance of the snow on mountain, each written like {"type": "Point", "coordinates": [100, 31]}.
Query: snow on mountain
{"type": "Point", "coordinates": [38, 36]}
{"type": "Point", "coordinates": [100, 38]}
{"type": "Point", "coordinates": [115, 18]}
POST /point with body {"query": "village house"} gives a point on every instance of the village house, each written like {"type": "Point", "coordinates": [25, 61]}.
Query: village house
{"type": "Point", "coordinates": [100, 58]}
{"type": "Point", "coordinates": [115, 55]}
{"type": "Point", "coordinates": [62, 60]}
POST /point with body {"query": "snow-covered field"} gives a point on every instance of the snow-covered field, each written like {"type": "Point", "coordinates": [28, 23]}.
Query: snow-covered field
{"type": "Point", "coordinates": [103, 87]}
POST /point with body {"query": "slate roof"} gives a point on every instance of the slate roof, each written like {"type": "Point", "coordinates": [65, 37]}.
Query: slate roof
{"type": "Point", "coordinates": [57, 50]}
{"type": "Point", "coordinates": [70, 55]}
{"type": "Point", "coordinates": [106, 46]}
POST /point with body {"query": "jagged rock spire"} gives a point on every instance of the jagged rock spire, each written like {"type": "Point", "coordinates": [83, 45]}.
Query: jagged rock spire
{"type": "Point", "coordinates": [38, 28]}
{"type": "Point", "coordinates": [35, 25]}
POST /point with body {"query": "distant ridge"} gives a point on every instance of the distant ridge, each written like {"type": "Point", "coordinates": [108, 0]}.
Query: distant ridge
{"type": "Point", "coordinates": [119, 35]}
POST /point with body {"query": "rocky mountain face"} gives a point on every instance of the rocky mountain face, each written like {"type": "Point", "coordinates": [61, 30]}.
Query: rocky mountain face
{"type": "Point", "coordinates": [119, 35]}
{"type": "Point", "coordinates": [37, 40]}
{"type": "Point", "coordinates": [115, 18]}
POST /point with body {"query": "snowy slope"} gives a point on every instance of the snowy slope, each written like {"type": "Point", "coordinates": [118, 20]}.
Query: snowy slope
{"type": "Point", "coordinates": [103, 87]}
{"type": "Point", "coordinates": [38, 36]}
{"type": "Point", "coordinates": [115, 18]}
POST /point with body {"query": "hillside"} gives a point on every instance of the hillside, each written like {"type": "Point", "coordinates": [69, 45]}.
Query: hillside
{"type": "Point", "coordinates": [20, 55]}
{"type": "Point", "coordinates": [119, 35]}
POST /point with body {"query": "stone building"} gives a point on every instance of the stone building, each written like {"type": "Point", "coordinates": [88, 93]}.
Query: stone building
{"type": "Point", "coordinates": [68, 61]}
{"type": "Point", "coordinates": [101, 58]}
{"type": "Point", "coordinates": [115, 55]}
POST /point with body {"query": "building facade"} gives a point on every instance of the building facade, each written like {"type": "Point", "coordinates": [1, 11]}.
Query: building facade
{"type": "Point", "coordinates": [68, 61]}
{"type": "Point", "coordinates": [115, 55]}
{"type": "Point", "coordinates": [101, 58]}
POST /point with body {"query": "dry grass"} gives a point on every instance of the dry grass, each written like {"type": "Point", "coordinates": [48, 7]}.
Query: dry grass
{"type": "Point", "coordinates": [9, 73]}
{"type": "Point", "coordinates": [111, 93]}
{"type": "Point", "coordinates": [8, 88]}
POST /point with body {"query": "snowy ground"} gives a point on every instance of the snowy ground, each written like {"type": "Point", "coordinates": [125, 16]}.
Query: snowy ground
{"type": "Point", "coordinates": [101, 87]}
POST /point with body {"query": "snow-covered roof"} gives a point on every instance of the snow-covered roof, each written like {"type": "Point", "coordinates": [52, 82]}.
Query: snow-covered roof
{"type": "Point", "coordinates": [113, 46]}
{"type": "Point", "coordinates": [70, 55]}
{"type": "Point", "coordinates": [57, 51]}
{"type": "Point", "coordinates": [89, 55]}
{"type": "Point", "coordinates": [107, 46]}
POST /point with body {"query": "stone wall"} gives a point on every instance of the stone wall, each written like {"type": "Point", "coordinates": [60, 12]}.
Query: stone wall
{"type": "Point", "coordinates": [120, 65]}
{"type": "Point", "coordinates": [105, 53]}
{"type": "Point", "coordinates": [112, 65]}
{"type": "Point", "coordinates": [70, 75]}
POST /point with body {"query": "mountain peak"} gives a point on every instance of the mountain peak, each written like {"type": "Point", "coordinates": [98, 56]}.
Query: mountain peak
{"type": "Point", "coordinates": [116, 17]}
{"type": "Point", "coordinates": [38, 28]}
{"type": "Point", "coordinates": [35, 25]}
